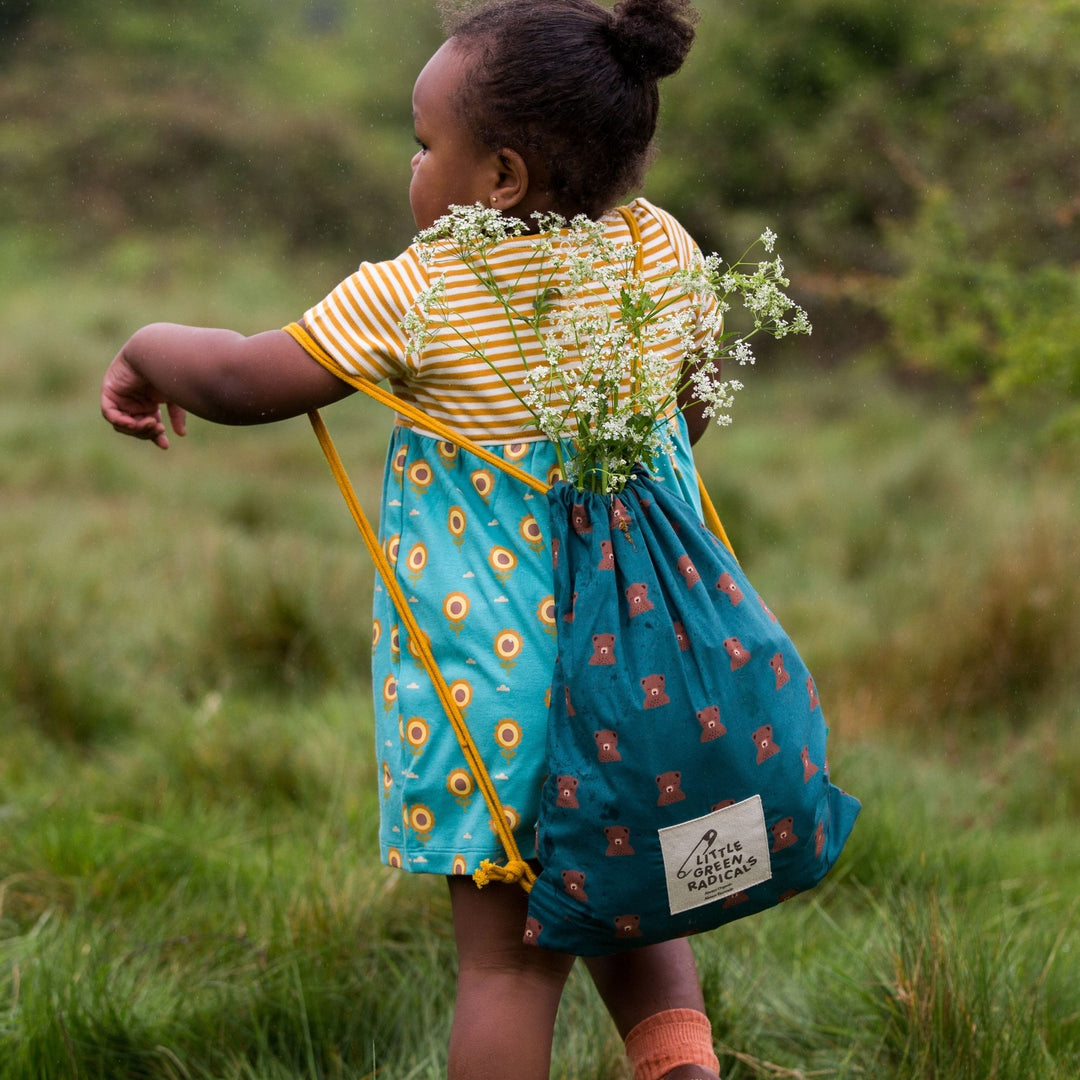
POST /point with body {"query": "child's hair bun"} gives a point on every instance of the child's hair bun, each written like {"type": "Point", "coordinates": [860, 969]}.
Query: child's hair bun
{"type": "Point", "coordinates": [653, 37]}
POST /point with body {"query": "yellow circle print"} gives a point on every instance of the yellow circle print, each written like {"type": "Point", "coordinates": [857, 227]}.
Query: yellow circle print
{"type": "Point", "coordinates": [484, 482]}
{"type": "Point", "coordinates": [531, 533]}
{"type": "Point", "coordinates": [502, 561]}
{"type": "Point", "coordinates": [508, 646]}
{"type": "Point", "coordinates": [416, 560]}
{"type": "Point", "coordinates": [391, 548]}
{"type": "Point", "coordinates": [456, 607]}
{"type": "Point", "coordinates": [508, 736]}
{"type": "Point", "coordinates": [417, 731]}
{"type": "Point", "coordinates": [545, 612]}
{"type": "Point", "coordinates": [459, 866]}
{"type": "Point", "coordinates": [422, 820]}
{"type": "Point", "coordinates": [461, 785]}
{"type": "Point", "coordinates": [461, 693]}
{"type": "Point", "coordinates": [420, 475]}
{"type": "Point", "coordinates": [393, 858]}
{"type": "Point", "coordinates": [456, 522]}
{"type": "Point", "coordinates": [389, 692]}
{"type": "Point", "coordinates": [510, 816]}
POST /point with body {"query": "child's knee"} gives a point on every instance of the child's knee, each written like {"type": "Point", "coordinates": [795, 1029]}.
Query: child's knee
{"type": "Point", "coordinates": [666, 1041]}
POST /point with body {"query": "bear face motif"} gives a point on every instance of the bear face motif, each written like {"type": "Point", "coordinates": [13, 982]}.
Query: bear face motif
{"type": "Point", "coordinates": [569, 706]}
{"type": "Point", "coordinates": [784, 834]}
{"type": "Point", "coordinates": [653, 685]}
{"type": "Point", "coordinates": [682, 638]}
{"type": "Point", "coordinates": [734, 648]}
{"type": "Point", "coordinates": [569, 616]}
{"type": "Point", "coordinates": [811, 693]}
{"type": "Point", "coordinates": [579, 520]}
{"type": "Point", "coordinates": [574, 885]}
{"type": "Point", "coordinates": [607, 745]}
{"type": "Point", "coordinates": [763, 740]}
{"type": "Point", "coordinates": [532, 933]}
{"type": "Point", "coordinates": [637, 599]}
{"type": "Point", "coordinates": [670, 789]}
{"type": "Point", "coordinates": [808, 767]}
{"type": "Point", "coordinates": [603, 649]}
{"type": "Point", "coordinates": [735, 899]}
{"type": "Point", "coordinates": [566, 788]}
{"type": "Point", "coordinates": [711, 727]}
{"type": "Point", "coordinates": [607, 556]}
{"type": "Point", "coordinates": [687, 571]}
{"type": "Point", "coordinates": [782, 676]}
{"type": "Point", "coordinates": [618, 837]}
{"type": "Point", "coordinates": [620, 516]}
{"type": "Point", "coordinates": [819, 839]}
{"type": "Point", "coordinates": [556, 543]}
{"type": "Point", "coordinates": [765, 608]}
{"type": "Point", "coordinates": [722, 803]}
{"type": "Point", "coordinates": [628, 926]}
{"type": "Point", "coordinates": [727, 585]}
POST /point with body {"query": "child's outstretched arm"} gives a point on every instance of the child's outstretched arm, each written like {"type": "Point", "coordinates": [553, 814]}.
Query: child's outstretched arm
{"type": "Point", "coordinates": [219, 375]}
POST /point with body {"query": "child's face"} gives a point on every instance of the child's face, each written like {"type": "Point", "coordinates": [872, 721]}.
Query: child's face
{"type": "Point", "coordinates": [452, 167]}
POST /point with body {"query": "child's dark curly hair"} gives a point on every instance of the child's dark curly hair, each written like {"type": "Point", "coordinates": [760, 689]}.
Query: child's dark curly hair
{"type": "Point", "coordinates": [572, 87]}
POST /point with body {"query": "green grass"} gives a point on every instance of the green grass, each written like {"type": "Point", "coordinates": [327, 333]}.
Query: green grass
{"type": "Point", "coordinates": [189, 879]}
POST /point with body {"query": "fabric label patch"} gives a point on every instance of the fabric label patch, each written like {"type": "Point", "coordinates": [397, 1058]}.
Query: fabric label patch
{"type": "Point", "coordinates": [716, 855]}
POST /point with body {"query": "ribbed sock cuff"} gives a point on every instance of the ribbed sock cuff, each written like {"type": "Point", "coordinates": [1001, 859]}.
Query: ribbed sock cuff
{"type": "Point", "coordinates": [666, 1040]}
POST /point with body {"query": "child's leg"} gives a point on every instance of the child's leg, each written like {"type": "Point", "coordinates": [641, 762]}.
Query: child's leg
{"type": "Point", "coordinates": [654, 996]}
{"type": "Point", "coordinates": [507, 992]}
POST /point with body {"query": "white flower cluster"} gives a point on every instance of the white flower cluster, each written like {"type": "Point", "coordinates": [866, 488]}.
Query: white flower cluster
{"type": "Point", "coordinates": [605, 382]}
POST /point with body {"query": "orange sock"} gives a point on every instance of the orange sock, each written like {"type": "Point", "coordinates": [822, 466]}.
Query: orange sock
{"type": "Point", "coordinates": [666, 1040]}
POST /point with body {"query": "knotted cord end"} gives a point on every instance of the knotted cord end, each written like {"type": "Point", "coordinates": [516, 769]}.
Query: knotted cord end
{"type": "Point", "coordinates": [515, 871]}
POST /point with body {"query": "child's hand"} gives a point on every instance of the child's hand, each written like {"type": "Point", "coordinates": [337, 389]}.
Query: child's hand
{"type": "Point", "coordinates": [133, 406]}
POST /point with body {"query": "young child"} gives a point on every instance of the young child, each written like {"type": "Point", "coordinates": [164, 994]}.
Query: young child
{"type": "Point", "coordinates": [530, 106]}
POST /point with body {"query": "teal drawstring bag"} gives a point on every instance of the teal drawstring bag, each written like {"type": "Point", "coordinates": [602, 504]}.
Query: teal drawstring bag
{"type": "Point", "coordinates": [688, 784]}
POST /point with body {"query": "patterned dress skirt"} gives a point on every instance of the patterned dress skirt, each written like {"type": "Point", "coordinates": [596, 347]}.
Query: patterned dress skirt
{"type": "Point", "coordinates": [469, 545]}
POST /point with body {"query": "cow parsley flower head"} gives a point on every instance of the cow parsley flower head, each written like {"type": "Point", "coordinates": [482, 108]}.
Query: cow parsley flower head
{"type": "Point", "coordinates": [611, 350]}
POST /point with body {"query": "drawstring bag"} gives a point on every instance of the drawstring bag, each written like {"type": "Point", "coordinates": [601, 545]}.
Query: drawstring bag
{"type": "Point", "coordinates": [688, 782]}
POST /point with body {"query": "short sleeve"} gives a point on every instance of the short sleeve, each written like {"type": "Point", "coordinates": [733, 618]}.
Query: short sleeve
{"type": "Point", "coordinates": [358, 325]}
{"type": "Point", "coordinates": [666, 239]}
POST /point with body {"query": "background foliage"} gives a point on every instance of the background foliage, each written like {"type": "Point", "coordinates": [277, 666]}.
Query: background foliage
{"type": "Point", "coordinates": [188, 879]}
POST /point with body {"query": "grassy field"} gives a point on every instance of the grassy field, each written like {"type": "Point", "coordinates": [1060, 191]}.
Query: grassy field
{"type": "Point", "coordinates": [189, 879]}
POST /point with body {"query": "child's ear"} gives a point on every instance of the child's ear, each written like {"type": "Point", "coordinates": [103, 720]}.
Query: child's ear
{"type": "Point", "coordinates": [512, 180]}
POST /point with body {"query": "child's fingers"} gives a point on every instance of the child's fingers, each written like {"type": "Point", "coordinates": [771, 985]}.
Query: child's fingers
{"type": "Point", "coordinates": [178, 418]}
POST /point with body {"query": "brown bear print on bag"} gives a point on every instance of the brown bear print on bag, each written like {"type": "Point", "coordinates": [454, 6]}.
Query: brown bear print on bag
{"type": "Point", "coordinates": [782, 676]}
{"type": "Point", "coordinates": [607, 745]}
{"type": "Point", "coordinates": [637, 599]}
{"type": "Point", "coordinates": [628, 926]}
{"type": "Point", "coordinates": [653, 685]}
{"type": "Point", "coordinates": [607, 556]}
{"type": "Point", "coordinates": [726, 584]}
{"type": "Point", "coordinates": [784, 834]}
{"type": "Point", "coordinates": [734, 648]}
{"type": "Point", "coordinates": [603, 649]}
{"type": "Point", "coordinates": [533, 930]}
{"type": "Point", "coordinates": [711, 727]}
{"type": "Point", "coordinates": [682, 638]}
{"type": "Point", "coordinates": [566, 788]}
{"type": "Point", "coordinates": [808, 767]}
{"type": "Point", "coordinates": [579, 519]}
{"type": "Point", "coordinates": [811, 693]}
{"type": "Point", "coordinates": [574, 885]}
{"type": "Point", "coordinates": [687, 571]}
{"type": "Point", "coordinates": [618, 838]}
{"type": "Point", "coordinates": [763, 740]}
{"type": "Point", "coordinates": [670, 789]}
{"type": "Point", "coordinates": [819, 839]}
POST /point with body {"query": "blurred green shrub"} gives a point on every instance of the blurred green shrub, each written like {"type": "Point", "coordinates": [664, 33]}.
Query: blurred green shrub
{"type": "Point", "coordinates": [921, 161]}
